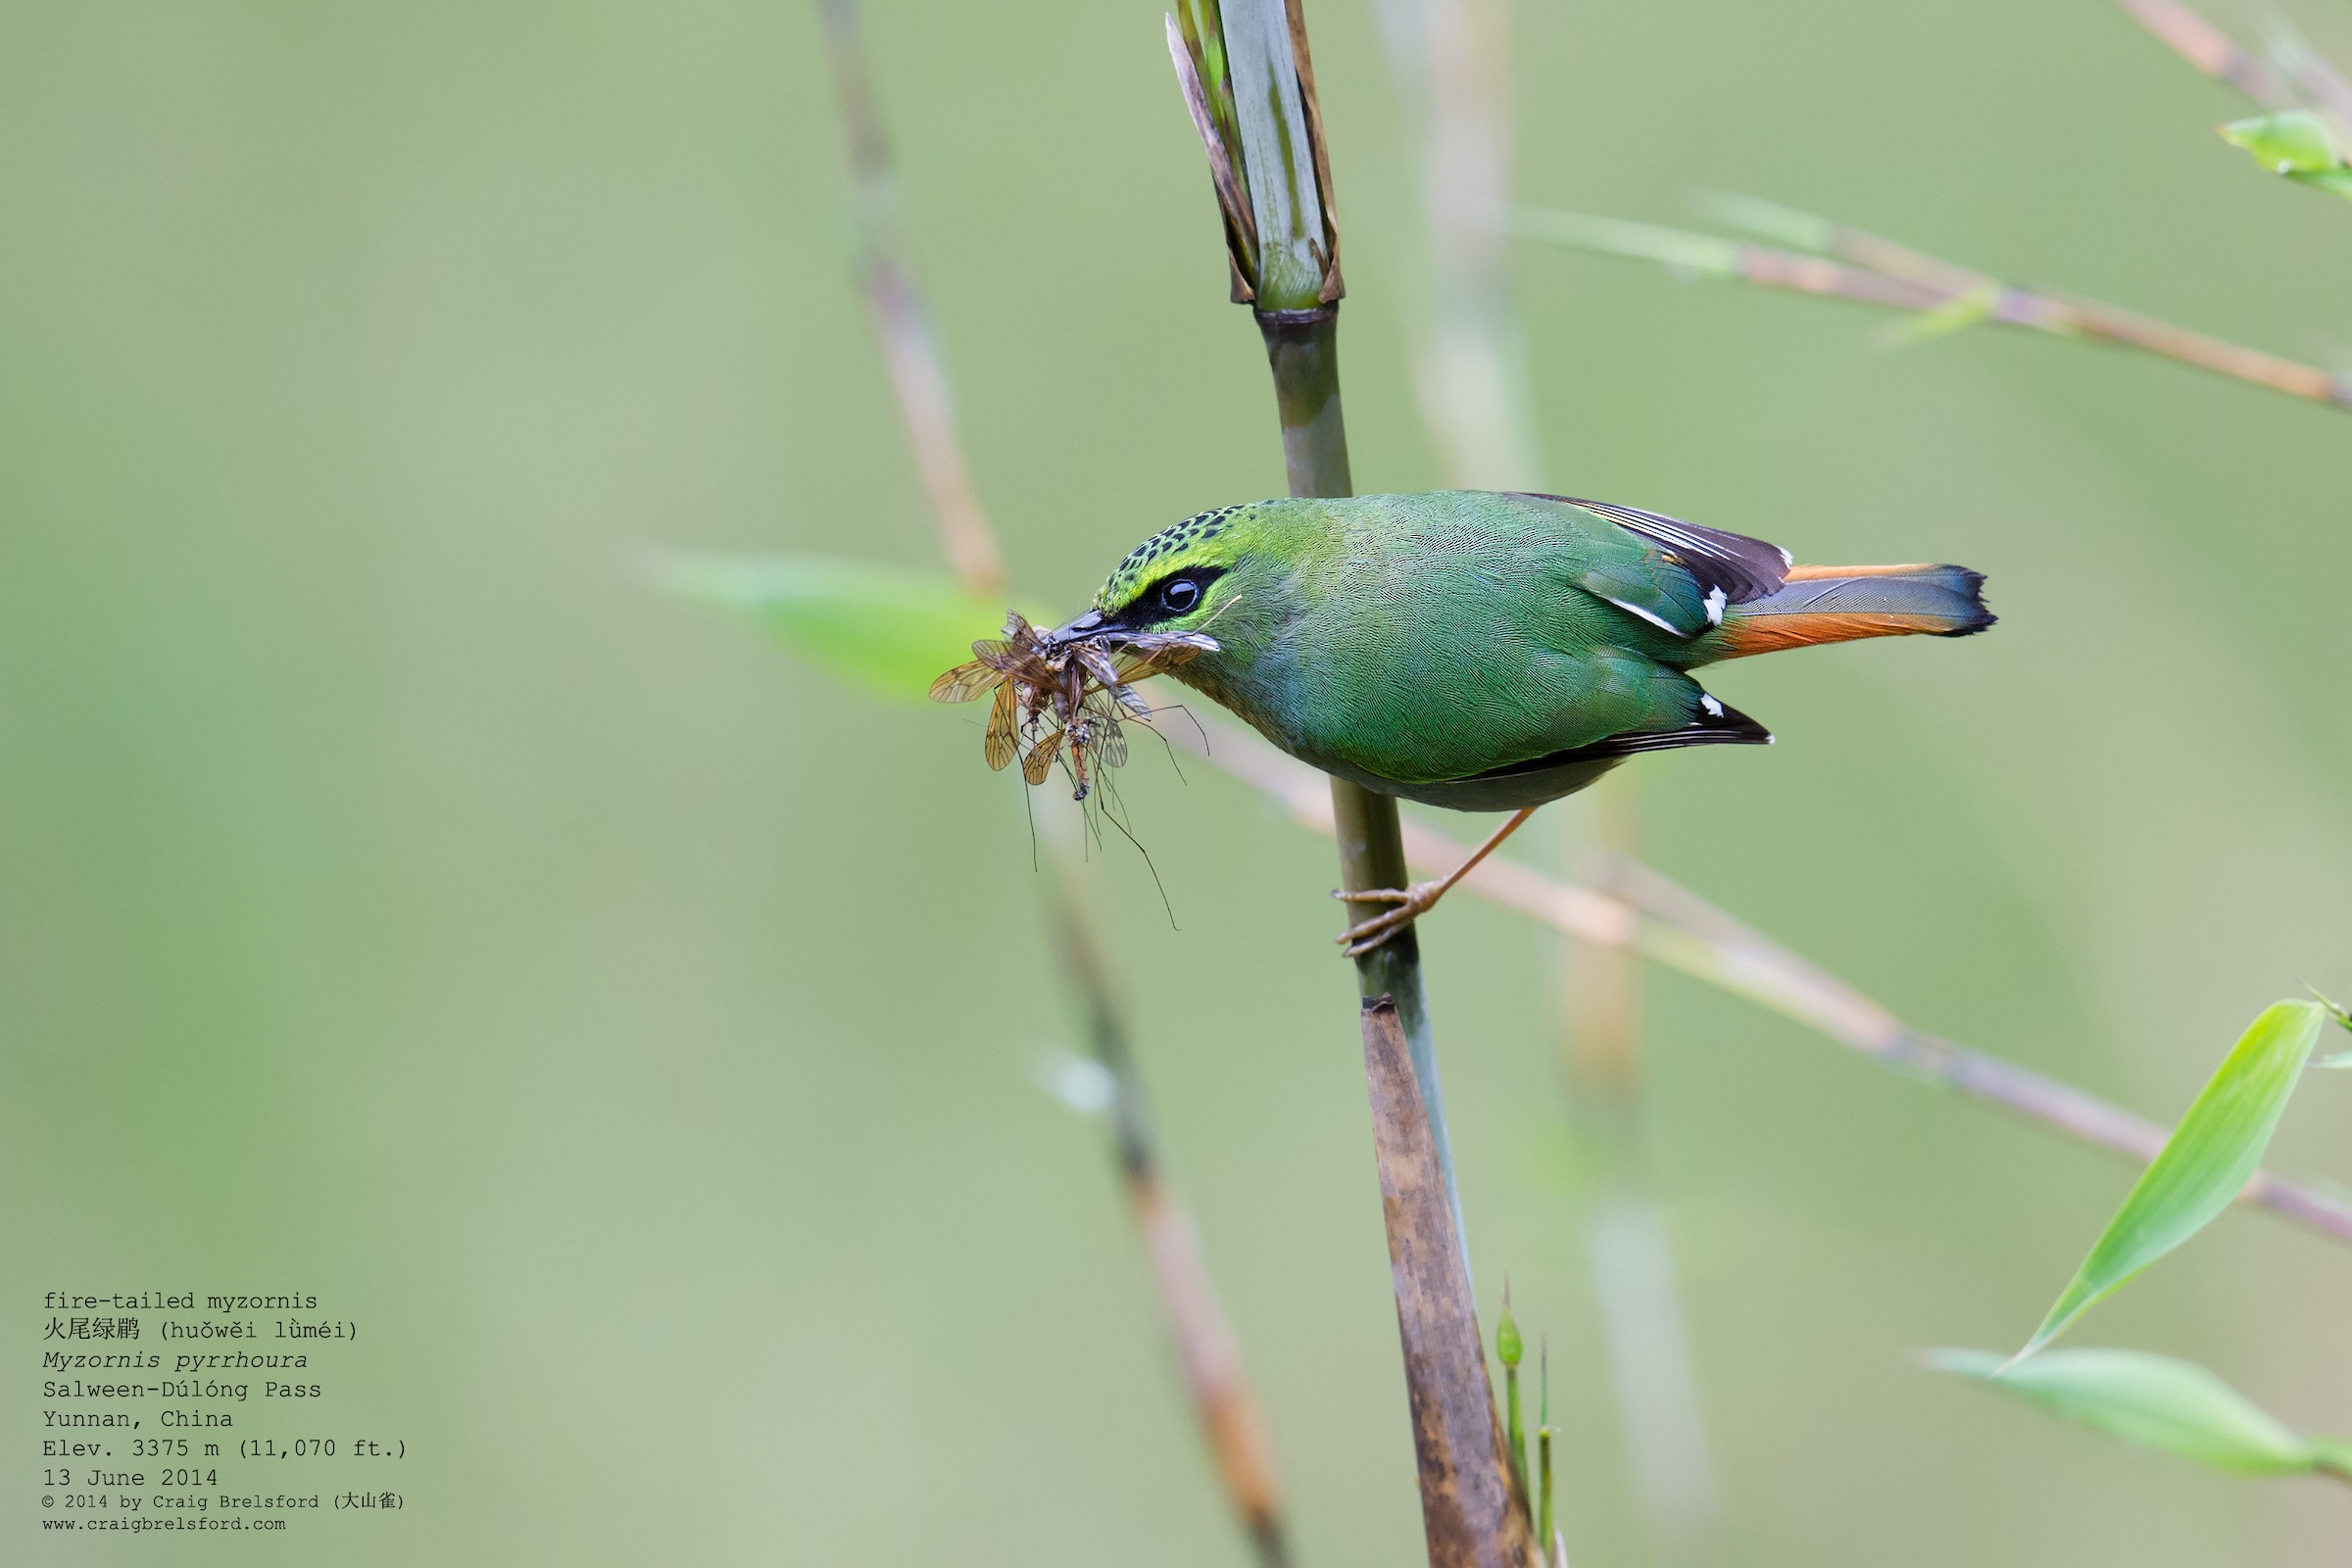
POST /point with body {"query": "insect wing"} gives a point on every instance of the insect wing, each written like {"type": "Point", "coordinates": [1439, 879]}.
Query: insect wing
{"type": "Point", "coordinates": [1097, 662]}
{"type": "Point", "coordinates": [1157, 653]}
{"type": "Point", "coordinates": [1103, 736]}
{"type": "Point", "coordinates": [964, 682]}
{"type": "Point", "coordinates": [1003, 729]}
{"type": "Point", "coordinates": [998, 653]}
{"type": "Point", "coordinates": [1040, 759]}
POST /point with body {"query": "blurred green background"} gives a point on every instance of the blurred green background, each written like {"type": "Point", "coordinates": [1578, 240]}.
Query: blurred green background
{"type": "Point", "coordinates": [633, 1029]}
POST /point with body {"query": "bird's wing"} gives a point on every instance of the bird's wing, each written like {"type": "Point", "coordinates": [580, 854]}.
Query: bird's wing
{"type": "Point", "coordinates": [1707, 570]}
{"type": "Point", "coordinates": [1716, 723]}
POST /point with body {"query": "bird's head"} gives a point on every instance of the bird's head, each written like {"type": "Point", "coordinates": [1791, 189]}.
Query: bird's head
{"type": "Point", "coordinates": [1207, 573]}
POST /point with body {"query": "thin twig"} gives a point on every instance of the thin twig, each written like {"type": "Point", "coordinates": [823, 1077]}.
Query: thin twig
{"type": "Point", "coordinates": [2210, 50]}
{"type": "Point", "coordinates": [1450, 59]}
{"type": "Point", "coordinates": [1670, 925]}
{"type": "Point", "coordinates": [1206, 1352]}
{"type": "Point", "coordinates": [1982, 299]}
{"type": "Point", "coordinates": [2315, 76]}
{"type": "Point", "coordinates": [910, 348]}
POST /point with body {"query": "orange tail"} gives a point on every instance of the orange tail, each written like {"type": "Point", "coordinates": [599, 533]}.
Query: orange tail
{"type": "Point", "coordinates": [1837, 604]}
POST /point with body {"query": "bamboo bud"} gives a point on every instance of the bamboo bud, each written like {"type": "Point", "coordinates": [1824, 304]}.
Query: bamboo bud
{"type": "Point", "coordinates": [1249, 87]}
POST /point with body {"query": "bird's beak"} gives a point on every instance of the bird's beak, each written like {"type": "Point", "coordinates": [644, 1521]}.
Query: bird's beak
{"type": "Point", "coordinates": [1091, 622]}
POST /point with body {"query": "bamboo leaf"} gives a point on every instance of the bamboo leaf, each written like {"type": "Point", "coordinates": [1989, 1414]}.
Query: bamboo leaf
{"type": "Point", "coordinates": [1679, 251]}
{"type": "Point", "coordinates": [2154, 1400]}
{"type": "Point", "coordinates": [2337, 182]}
{"type": "Point", "coordinates": [2216, 1146]}
{"type": "Point", "coordinates": [2295, 143]}
{"type": "Point", "coordinates": [2292, 142]}
{"type": "Point", "coordinates": [886, 628]}
{"type": "Point", "coordinates": [1782, 226]}
{"type": "Point", "coordinates": [2342, 1058]}
{"type": "Point", "coordinates": [1280, 133]}
{"type": "Point", "coordinates": [2331, 1454]}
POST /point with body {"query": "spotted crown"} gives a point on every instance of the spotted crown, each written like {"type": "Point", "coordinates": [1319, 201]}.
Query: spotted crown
{"type": "Point", "coordinates": [1132, 572]}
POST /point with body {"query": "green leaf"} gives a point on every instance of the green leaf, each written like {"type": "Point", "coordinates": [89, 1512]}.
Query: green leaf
{"type": "Point", "coordinates": [2331, 1454]}
{"type": "Point", "coordinates": [2175, 1406]}
{"type": "Point", "coordinates": [1782, 226]}
{"type": "Point", "coordinates": [2337, 182]}
{"type": "Point", "coordinates": [2342, 1058]}
{"type": "Point", "coordinates": [887, 628]}
{"type": "Point", "coordinates": [2292, 142]}
{"type": "Point", "coordinates": [2208, 1159]}
{"type": "Point", "coordinates": [1679, 251]}
{"type": "Point", "coordinates": [2295, 143]}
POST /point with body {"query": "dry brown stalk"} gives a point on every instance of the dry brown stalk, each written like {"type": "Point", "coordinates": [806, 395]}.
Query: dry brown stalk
{"type": "Point", "coordinates": [1924, 285]}
{"type": "Point", "coordinates": [2179, 28]}
{"type": "Point", "coordinates": [1468, 1510]}
{"type": "Point", "coordinates": [2295, 74]}
{"type": "Point", "coordinates": [1645, 911]}
{"type": "Point", "coordinates": [2330, 92]}
{"type": "Point", "coordinates": [1206, 1352]}
{"type": "Point", "coordinates": [909, 349]}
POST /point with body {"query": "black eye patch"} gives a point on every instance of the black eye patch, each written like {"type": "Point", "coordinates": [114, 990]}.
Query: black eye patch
{"type": "Point", "coordinates": [1176, 595]}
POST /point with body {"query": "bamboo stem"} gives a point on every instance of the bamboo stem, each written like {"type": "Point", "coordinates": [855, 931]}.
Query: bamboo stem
{"type": "Point", "coordinates": [1302, 353]}
{"type": "Point", "coordinates": [1508, 1348]}
{"type": "Point", "coordinates": [1452, 59]}
{"type": "Point", "coordinates": [1468, 1511]}
{"type": "Point", "coordinates": [1291, 276]}
{"type": "Point", "coordinates": [1547, 1530]}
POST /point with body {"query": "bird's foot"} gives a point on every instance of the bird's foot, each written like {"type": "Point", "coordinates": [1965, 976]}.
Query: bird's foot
{"type": "Point", "coordinates": [1410, 903]}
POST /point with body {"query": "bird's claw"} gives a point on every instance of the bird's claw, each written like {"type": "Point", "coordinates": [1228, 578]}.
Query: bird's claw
{"type": "Point", "coordinates": [1366, 934]}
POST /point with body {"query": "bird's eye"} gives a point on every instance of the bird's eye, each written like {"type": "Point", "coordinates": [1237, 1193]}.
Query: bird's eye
{"type": "Point", "coordinates": [1178, 594]}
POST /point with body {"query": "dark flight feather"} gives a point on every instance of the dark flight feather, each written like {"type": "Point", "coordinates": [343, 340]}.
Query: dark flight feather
{"type": "Point", "coordinates": [1743, 568]}
{"type": "Point", "coordinates": [1730, 727]}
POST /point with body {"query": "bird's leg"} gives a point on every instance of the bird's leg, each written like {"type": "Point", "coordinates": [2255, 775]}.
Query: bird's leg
{"type": "Point", "coordinates": [1417, 899]}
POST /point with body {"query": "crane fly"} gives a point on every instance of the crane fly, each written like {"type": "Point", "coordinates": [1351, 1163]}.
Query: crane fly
{"type": "Point", "coordinates": [1063, 699]}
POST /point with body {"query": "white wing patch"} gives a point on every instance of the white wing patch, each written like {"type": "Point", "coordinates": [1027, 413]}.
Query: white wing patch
{"type": "Point", "coordinates": [1716, 600]}
{"type": "Point", "coordinates": [1714, 708]}
{"type": "Point", "coordinates": [1659, 622]}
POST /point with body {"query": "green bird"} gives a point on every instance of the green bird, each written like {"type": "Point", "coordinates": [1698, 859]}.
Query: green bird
{"type": "Point", "coordinates": [1490, 652]}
